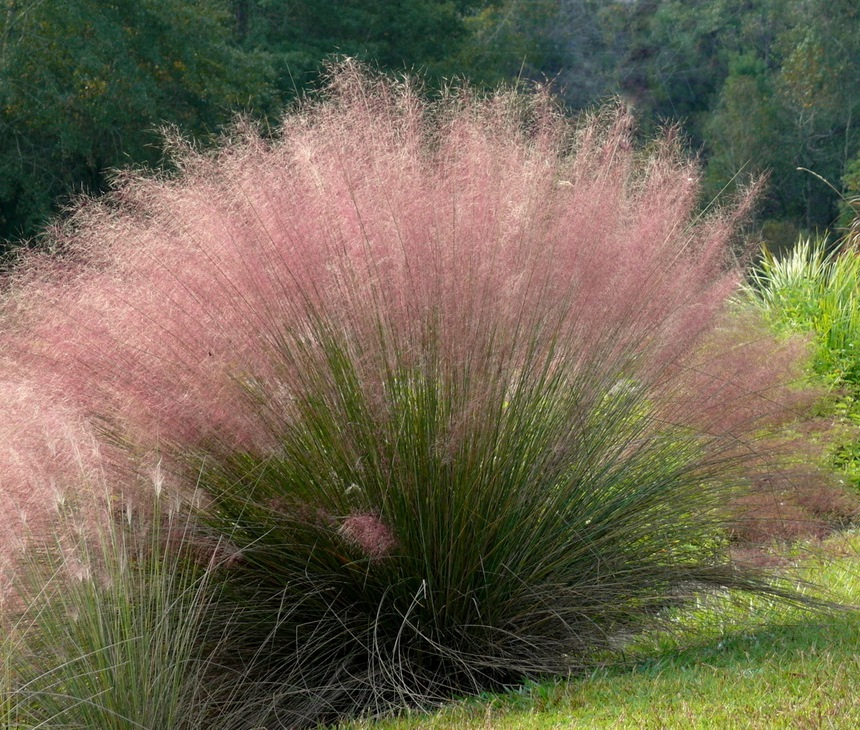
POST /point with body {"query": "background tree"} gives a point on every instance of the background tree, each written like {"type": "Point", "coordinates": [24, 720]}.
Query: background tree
{"type": "Point", "coordinates": [818, 81]}
{"type": "Point", "coordinates": [86, 84]}
{"type": "Point", "coordinates": [568, 42]}
{"type": "Point", "coordinates": [425, 35]}
{"type": "Point", "coordinates": [743, 130]}
{"type": "Point", "coordinates": [756, 85]}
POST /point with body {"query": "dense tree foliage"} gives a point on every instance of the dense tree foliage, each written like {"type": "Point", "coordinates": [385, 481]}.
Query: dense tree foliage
{"type": "Point", "coordinates": [567, 42]}
{"type": "Point", "coordinates": [425, 35]}
{"type": "Point", "coordinates": [758, 86]}
{"type": "Point", "coordinates": [86, 84]}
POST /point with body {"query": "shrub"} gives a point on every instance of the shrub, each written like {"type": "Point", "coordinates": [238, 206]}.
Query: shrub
{"type": "Point", "coordinates": [457, 380]}
{"type": "Point", "coordinates": [814, 292]}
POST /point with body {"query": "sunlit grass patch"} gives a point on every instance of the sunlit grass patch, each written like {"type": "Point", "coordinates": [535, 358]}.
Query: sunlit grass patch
{"type": "Point", "coordinates": [757, 665]}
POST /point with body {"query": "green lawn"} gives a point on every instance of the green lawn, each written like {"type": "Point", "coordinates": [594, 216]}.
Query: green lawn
{"type": "Point", "coordinates": [754, 666]}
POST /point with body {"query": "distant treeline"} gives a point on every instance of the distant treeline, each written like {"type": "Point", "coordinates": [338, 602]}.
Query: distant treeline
{"type": "Point", "coordinates": [87, 86]}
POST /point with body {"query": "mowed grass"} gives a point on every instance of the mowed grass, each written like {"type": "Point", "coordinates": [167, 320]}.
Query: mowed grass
{"type": "Point", "coordinates": [756, 665]}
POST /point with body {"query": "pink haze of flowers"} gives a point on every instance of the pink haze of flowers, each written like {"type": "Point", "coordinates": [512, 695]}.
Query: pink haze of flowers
{"type": "Point", "coordinates": [369, 533]}
{"type": "Point", "coordinates": [173, 302]}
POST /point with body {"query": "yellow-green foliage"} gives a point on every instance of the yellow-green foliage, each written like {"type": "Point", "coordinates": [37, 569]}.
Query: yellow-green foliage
{"type": "Point", "coordinates": [810, 290]}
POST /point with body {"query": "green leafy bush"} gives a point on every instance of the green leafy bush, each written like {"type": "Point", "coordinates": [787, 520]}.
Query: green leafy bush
{"type": "Point", "coordinates": [816, 293]}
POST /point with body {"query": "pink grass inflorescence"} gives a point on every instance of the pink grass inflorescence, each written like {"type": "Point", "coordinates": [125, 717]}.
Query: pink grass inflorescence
{"type": "Point", "coordinates": [181, 313]}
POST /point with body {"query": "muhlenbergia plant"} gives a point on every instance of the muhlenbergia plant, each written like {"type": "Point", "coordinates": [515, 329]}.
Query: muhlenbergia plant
{"type": "Point", "coordinates": [108, 632]}
{"type": "Point", "coordinates": [456, 381]}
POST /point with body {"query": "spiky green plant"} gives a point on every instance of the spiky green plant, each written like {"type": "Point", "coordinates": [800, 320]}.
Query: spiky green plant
{"type": "Point", "coordinates": [817, 293]}
{"type": "Point", "coordinates": [812, 291]}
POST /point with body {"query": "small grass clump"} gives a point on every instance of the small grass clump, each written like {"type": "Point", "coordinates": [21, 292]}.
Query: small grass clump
{"type": "Point", "coordinates": [452, 389]}
{"type": "Point", "coordinates": [106, 630]}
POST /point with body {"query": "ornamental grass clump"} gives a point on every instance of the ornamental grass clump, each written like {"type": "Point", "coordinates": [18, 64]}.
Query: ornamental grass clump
{"type": "Point", "coordinates": [457, 382]}
{"type": "Point", "coordinates": [110, 635]}
{"type": "Point", "coordinates": [811, 290]}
